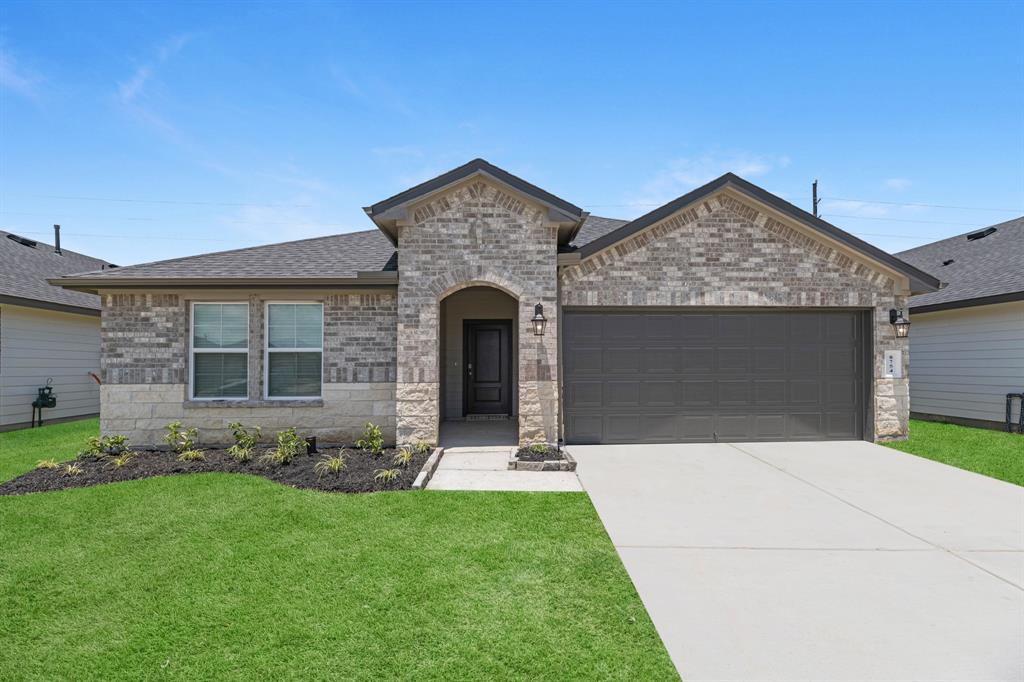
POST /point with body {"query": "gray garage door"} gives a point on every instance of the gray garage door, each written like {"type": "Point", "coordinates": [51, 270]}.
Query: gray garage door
{"type": "Point", "coordinates": [672, 376]}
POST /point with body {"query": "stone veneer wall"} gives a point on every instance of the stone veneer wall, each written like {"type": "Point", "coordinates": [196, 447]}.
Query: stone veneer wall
{"type": "Point", "coordinates": [726, 252]}
{"type": "Point", "coordinates": [145, 368]}
{"type": "Point", "coordinates": [476, 234]}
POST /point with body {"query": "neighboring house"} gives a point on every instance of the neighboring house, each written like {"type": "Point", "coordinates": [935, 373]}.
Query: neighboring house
{"type": "Point", "coordinates": [968, 338]}
{"type": "Point", "coordinates": [46, 332]}
{"type": "Point", "coordinates": [727, 314]}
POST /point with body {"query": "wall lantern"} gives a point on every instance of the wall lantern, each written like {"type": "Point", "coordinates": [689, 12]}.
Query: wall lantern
{"type": "Point", "coordinates": [538, 320]}
{"type": "Point", "coordinates": [900, 323]}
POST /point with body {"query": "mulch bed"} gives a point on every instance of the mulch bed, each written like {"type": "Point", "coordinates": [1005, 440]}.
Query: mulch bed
{"type": "Point", "coordinates": [356, 478]}
{"type": "Point", "coordinates": [527, 455]}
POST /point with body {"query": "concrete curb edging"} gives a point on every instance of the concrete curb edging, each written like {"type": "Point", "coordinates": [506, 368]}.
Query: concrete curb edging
{"type": "Point", "coordinates": [567, 464]}
{"type": "Point", "coordinates": [429, 467]}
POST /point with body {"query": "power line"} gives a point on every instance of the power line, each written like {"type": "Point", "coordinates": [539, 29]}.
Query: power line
{"type": "Point", "coordinates": [56, 216]}
{"type": "Point", "coordinates": [901, 203]}
{"type": "Point", "coordinates": [164, 201]}
{"type": "Point", "coordinates": [899, 220]}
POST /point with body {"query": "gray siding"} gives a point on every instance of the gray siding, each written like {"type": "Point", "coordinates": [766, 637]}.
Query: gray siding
{"type": "Point", "coordinates": [39, 344]}
{"type": "Point", "coordinates": [965, 361]}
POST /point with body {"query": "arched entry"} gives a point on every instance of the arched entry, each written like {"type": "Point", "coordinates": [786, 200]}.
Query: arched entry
{"type": "Point", "coordinates": [479, 365]}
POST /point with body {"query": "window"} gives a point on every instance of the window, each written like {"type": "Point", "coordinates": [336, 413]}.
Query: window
{"type": "Point", "coordinates": [220, 350]}
{"type": "Point", "coordinates": [295, 342]}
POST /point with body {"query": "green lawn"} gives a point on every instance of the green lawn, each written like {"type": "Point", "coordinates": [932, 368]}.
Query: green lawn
{"type": "Point", "coordinates": [20, 450]}
{"type": "Point", "coordinates": [993, 453]}
{"type": "Point", "coordinates": [228, 576]}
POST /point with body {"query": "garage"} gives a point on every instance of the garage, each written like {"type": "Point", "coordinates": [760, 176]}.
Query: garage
{"type": "Point", "coordinates": [706, 375]}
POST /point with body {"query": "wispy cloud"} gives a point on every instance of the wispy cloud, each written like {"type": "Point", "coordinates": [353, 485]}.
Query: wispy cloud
{"type": "Point", "coordinates": [131, 89]}
{"type": "Point", "coordinates": [898, 184]}
{"type": "Point", "coordinates": [371, 91]}
{"type": "Point", "coordinates": [405, 152]}
{"type": "Point", "coordinates": [683, 174]}
{"type": "Point", "coordinates": [16, 78]}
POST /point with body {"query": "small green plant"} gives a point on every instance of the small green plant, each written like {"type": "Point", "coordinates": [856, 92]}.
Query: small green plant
{"type": "Point", "coordinates": [403, 457]}
{"type": "Point", "coordinates": [46, 464]}
{"type": "Point", "coordinates": [372, 440]}
{"type": "Point", "coordinates": [289, 446]}
{"type": "Point", "coordinates": [180, 439]}
{"type": "Point", "coordinates": [191, 455]}
{"type": "Point", "coordinates": [93, 447]}
{"type": "Point", "coordinates": [245, 441]}
{"type": "Point", "coordinates": [121, 460]}
{"type": "Point", "coordinates": [331, 465]}
{"type": "Point", "coordinates": [386, 475]}
{"type": "Point", "coordinates": [539, 448]}
{"type": "Point", "coordinates": [71, 469]}
{"type": "Point", "coordinates": [421, 447]}
{"type": "Point", "coordinates": [114, 445]}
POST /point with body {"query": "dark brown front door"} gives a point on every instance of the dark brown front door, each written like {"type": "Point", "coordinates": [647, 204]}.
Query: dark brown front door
{"type": "Point", "coordinates": [488, 366]}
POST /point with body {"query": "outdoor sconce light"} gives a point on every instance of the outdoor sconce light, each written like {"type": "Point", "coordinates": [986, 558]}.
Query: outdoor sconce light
{"type": "Point", "coordinates": [900, 323]}
{"type": "Point", "coordinates": [538, 320]}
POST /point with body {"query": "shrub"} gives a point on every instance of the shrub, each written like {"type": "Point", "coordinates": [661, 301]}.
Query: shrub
{"type": "Point", "coordinates": [289, 446]}
{"type": "Point", "coordinates": [331, 465]}
{"type": "Point", "coordinates": [421, 447]}
{"type": "Point", "coordinates": [180, 439]}
{"type": "Point", "coordinates": [539, 448]}
{"type": "Point", "coordinates": [386, 475]}
{"type": "Point", "coordinates": [71, 469]}
{"type": "Point", "coordinates": [245, 441]}
{"type": "Point", "coordinates": [372, 440]}
{"type": "Point", "coordinates": [191, 455]}
{"type": "Point", "coordinates": [93, 447]}
{"type": "Point", "coordinates": [114, 445]}
{"type": "Point", "coordinates": [403, 457]}
{"type": "Point", "coordinates": [46, 464]}
{"type": "Point", "coordinates": [119, 461]}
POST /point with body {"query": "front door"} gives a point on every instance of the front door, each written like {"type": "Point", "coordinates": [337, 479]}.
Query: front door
{"type": "Point", "coordinates": [488, 366]}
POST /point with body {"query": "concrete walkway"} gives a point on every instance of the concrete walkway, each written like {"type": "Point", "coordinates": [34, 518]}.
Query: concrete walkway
{"type": "Point", "coordinates": [486, 468]}
{"type": "Point", "coordinates": [817, 561]}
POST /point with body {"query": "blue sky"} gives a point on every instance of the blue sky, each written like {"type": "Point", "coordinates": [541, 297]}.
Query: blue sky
{"type": "Point", "coordinates": [152, 131]}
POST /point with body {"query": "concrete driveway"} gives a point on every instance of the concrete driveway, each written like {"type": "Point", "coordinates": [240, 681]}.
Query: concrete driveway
{"type": "Point", "coordinates": [817, 561]}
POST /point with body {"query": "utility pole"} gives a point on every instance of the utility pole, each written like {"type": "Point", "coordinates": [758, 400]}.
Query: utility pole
{"type": "Point", "coordinates": [814, 196]}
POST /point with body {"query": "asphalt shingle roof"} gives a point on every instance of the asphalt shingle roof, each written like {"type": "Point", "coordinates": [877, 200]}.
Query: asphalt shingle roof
{"type": "Point", "coordinates": [594, 228]}
{"type": "Point", "coordinates": [25, 269]}
{"type": "Point", "coordinates": [336, 256]}
{"type": "Point", "coordinates": [990, 266]}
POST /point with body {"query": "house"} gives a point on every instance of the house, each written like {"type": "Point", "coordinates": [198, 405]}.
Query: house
{"type": "Point", "coordinates": [727, 314]}
{"type": "Point", "coordinates": [47, 333]}
{"type": "Point", "coordinates": [968, 337]}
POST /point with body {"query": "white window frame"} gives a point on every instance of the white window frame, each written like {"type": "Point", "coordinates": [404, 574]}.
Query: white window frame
{"type": "Point", "coordinates": [192, 350]}
{"type": "Point", "coordinates": [267, 350]}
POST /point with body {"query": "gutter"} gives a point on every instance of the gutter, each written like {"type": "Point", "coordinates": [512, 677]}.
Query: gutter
{"type": "Point", "coordinates": [362, 280]}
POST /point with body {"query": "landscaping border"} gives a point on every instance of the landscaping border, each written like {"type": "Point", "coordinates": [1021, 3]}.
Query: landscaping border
{"type": "Point", "coordinates": [565, 464]}
{"type": "Point", "coordinates": [429, 467]}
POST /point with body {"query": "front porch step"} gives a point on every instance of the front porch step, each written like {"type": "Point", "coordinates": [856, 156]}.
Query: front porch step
{"type": "Point", "coordinates": [525, 481]}
{"type": "Point", "coordinates": [486, 468]}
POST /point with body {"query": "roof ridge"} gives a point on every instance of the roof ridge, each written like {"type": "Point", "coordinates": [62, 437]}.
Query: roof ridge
{"type": "Point", "coordinates": [63, 251]}
{"type": "Point", "coordinates": [219, 253]}
{"type": "Point", "coordinates": [962, 235]}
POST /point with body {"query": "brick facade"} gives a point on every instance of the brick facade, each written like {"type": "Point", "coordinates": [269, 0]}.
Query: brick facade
{"type": "Point", "coordinates": [476, 234]}
{"type": "Point", "coordinates": [145, 368]}
{"type": "Point", "coordinates": [726, 252]}
{"type": "Point", "coordinates": [382, 347]}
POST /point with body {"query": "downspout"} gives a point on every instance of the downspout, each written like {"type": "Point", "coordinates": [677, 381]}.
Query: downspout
{"type": "Point", "coordinates": [560, 435]}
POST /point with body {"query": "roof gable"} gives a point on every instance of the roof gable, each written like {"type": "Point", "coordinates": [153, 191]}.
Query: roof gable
{"type": "Point", "coordinates": [387, 214]}
{"type": "Point", "coordinates": [919, 281]}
